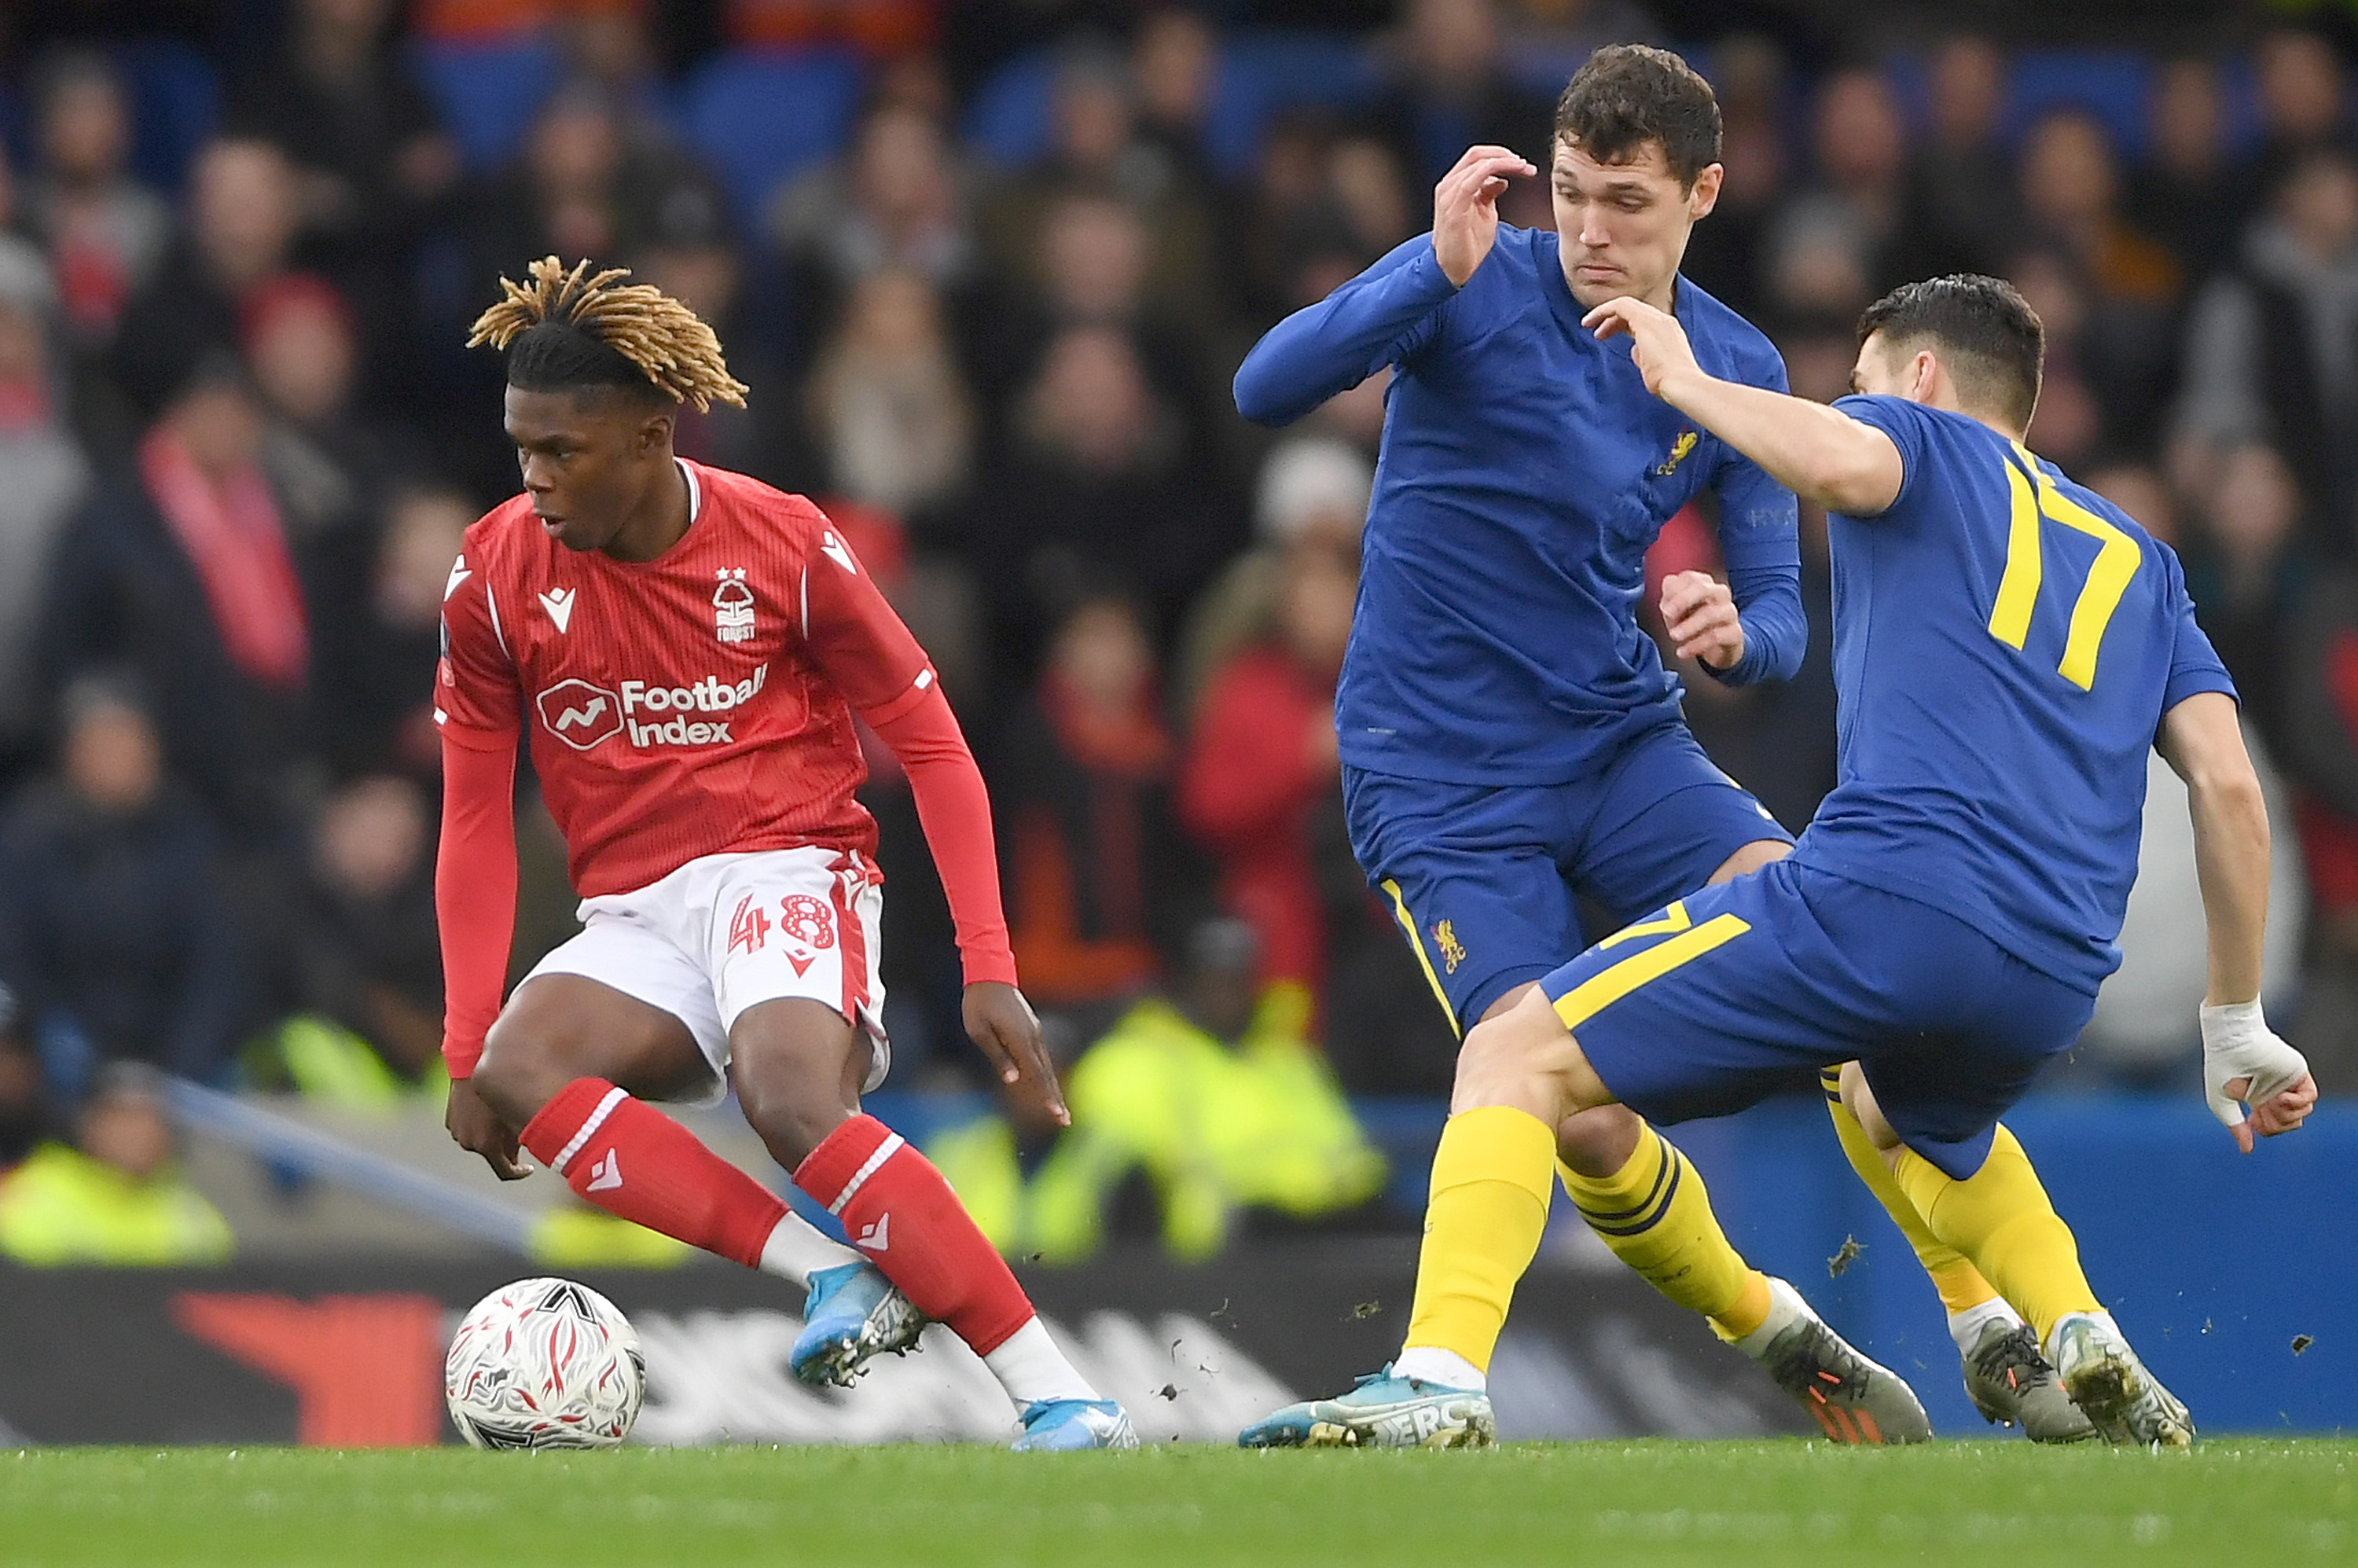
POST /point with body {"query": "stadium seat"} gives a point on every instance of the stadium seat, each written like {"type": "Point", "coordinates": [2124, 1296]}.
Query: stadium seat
{"type": "Point", "coordinates": [2108, 84]}
{"type": "Point", "coordinates": [1257, 75]}
{"type": "Point", "coordinates": [174, 102]}
{"type": "Point", "coordinates": [1008, 124]}
{"type": "Point", "coordinates": [760, 118]}
{"type": "Point", "coordinates": [1263, 73]}
{"type": "Point", "coordinates": [489, 93]}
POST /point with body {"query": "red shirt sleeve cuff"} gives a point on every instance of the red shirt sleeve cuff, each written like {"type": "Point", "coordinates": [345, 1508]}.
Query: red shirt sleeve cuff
{"type": "Point", "coordinates": [998, 965]}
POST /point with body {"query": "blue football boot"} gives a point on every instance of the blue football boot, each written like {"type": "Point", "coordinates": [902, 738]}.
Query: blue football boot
{"type": "Point", "coordinates": [1382, 1411]}
{"type": "Point", "coordinates": [1068, 1426]}
{"type": "Point", "coordinates": [852, 1312]}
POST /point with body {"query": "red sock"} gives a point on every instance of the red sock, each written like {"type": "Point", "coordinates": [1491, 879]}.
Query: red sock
{"type": "Point", "coordinates": [901, 1215]}
{"type": "Point", "coordinates": [632, 1160]}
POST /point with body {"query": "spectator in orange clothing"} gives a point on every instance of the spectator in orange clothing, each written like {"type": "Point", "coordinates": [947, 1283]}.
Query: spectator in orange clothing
{"type": "Point", "coordinates": [1097, 869]}
{"type": "Point", "coordinates": [1261, 760]}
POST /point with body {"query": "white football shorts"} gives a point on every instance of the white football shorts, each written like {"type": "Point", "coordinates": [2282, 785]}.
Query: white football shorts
{"type": "Point", "coordinates": [727, 932]}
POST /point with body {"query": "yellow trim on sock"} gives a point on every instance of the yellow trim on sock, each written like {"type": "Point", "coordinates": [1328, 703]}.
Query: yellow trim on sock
{"type": "Point", "coordinates": [1750, 1311]}
{"type": "Point", "coordinates": [1492, 1177]}
{"type": "Point", "coordinates": [2003, 1221]}
{"type": "Point", "coordinates": [1655, 1215]}
{"type": "Point", "coordinates": [1961, 1284]}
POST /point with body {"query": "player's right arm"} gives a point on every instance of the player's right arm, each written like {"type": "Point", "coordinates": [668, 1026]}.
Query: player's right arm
{"type": "Point", "coordinates": [1821, 454]}
{"type": "Point", "coordinates": [479, 706]}
{"type": "Point", "coordinates": [1377, 318]}
{"type": "Point", "coordinates": [2242, 1059]}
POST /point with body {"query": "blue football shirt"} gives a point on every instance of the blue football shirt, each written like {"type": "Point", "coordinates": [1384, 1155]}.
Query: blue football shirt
{"type": "Point", "coordinates": [2005, 643]}
{"type": "Point", "coordinates": [1525, 470]}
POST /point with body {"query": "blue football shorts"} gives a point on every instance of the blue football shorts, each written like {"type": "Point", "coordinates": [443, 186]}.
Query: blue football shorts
{"type": "Point", "coordinates": [1739, 991]}
{"type": "Point", "coordinates": [1486, 882]}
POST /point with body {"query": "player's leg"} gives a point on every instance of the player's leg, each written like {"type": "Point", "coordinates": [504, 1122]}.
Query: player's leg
{"type": "Point", "coordinates": [570, 1065]}
{"type": "Point", "coordinates": [799, 993]}
{"type": "Point", "coordinates": [2000, 1216]}
{"type": "Point", "coordinates": [1929, 1098]}
{"type": "Point", "coordinates": [2006, 1376]}
{"type": "Point", "coordinates": [1520, 1075]}
{"type": "Point", "coordinates": [1668, 816]}
{"type": "Point", "coordinates": [1661, 821]}
{"type": "Point", "coordinates": [799, 1067]}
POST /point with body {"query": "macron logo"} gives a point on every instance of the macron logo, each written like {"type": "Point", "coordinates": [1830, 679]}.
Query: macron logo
{"type": "Point", "coordinates": [832, 548]}
{"type": "Point", "coordinates": [579, 714]}
{"type": "Point", "coordinates": [559, 602]}
{"type": "Point", "coordinates": [459, 572]}
{"type": "Point", "coordinates": [606, 1174]}
{"type": "Point", "coordinates": [877, 1238]}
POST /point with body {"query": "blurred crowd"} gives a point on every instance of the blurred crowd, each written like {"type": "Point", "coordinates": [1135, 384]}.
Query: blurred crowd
{"type": "Point", "coordinates": [988, 268]}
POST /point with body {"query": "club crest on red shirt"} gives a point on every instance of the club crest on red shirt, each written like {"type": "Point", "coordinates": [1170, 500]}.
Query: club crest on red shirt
{"type": "Point", "coordinates": [733, 606]}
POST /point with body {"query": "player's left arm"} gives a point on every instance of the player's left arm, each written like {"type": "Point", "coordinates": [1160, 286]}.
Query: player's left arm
{"type": "Point", "coordinates": [1821, 454]}
{"type": "Point", "coordinates": [2242, 1059]}
{"type": "Point", "coordinates": [864, 648]}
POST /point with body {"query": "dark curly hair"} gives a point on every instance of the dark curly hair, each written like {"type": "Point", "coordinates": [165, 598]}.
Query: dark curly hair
{"type": "Point", "coordinates": [1629, 94]}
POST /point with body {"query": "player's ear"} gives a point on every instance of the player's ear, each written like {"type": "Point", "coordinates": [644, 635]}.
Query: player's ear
{"type": "Point", "coordinates": [656, 433]}
{"type": "Point", "coordinates": [1924, 376]}
{"type": "Point", "coordinates": [1703, 194]}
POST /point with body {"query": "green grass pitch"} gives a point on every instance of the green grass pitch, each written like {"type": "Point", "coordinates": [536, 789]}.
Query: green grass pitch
{"type": "Point", "coordinates": [1728, 1505]}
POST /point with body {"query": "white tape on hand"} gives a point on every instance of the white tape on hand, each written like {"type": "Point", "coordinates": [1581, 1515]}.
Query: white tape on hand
{"type": "Point", "coordinates": [2238, 1043]}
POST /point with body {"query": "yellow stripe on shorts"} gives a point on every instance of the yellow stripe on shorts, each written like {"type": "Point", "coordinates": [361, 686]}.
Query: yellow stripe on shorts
{"type": "Point", "coordinates": [1416, 945]}
{"type": "Point", "coordinates": [1609, 985]}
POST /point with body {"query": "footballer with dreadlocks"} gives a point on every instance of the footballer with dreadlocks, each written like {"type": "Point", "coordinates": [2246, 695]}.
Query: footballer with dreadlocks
{"type": "Point", "coordinates": [684, 650]}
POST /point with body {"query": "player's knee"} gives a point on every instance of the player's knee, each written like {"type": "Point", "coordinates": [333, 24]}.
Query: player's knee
{"type": "Point", "coordinates": [513, 1076]}
{"type": "Point", "coordinates": [1524, 1056]}
{"type": "Point", "coordinates": [1599, 1142]}
{"type": "Point", "coordinates": [527, 1059]}
{"type": "Point", "coordinates": [1858, 1099]}
{"type": "Point", "coordinates": [792, 1117]}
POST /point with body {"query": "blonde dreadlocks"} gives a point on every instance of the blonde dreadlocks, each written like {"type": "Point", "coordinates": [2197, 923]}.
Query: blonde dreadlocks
{"type": "Point", "coordinates": [656, 339]}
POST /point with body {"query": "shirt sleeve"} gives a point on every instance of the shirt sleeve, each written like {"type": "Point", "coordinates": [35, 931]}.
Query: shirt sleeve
{"type": "Point", "coordinates": [1761, 540]}
{"type": "Point", "coordinates": [862, 648]}
{"type": "Point", "coordinates": [477, 703]}
{"type": "Point", "coordinates": [2194, 665]}
{"type": "Point", "coordinates": [474, 894]}
{"type": "Point", "coordinates": [1380, 318]}
{"type": "Point", "coordinates": [1907, 425]}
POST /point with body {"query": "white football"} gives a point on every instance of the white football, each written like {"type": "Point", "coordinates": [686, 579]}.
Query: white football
{"type": "Point", "coordinates": [545, 1363]}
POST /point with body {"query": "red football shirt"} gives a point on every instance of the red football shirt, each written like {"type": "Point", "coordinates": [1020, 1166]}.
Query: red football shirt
{"type": "Point", "coordinates": [697, 703]}
{"type": "Point", "coordinates": [692, 705]}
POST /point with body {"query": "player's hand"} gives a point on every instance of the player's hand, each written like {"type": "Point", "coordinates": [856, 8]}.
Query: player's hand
{"type": "Point", "coordinates": [1699, 613]}
{"type": "Point", "coordinates": [1657, 343]}
{"type": "Point", "coordinates": [476, 1128]}
{"type": "Point", "coordinates": [1003, 1025]}
{"type": "Point", "coordinates": [2244, 1063]}
{"type": "Point", "coordinates": [1466, 209]}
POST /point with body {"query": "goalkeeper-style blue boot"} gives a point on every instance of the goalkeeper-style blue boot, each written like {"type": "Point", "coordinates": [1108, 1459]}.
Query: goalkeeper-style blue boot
{"type": "Point", "coordinates": [1381, 1412]}
{"type": "Point", "coordinates": [1068, 1426]}
{"type": "Point", "coordinates": [852, 1312]}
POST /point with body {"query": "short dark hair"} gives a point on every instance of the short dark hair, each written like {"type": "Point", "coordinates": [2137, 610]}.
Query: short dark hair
{"type": "Point", "coordinates": [1629, 94]}
{"type": "Point", "coordinates": [1993, 342]}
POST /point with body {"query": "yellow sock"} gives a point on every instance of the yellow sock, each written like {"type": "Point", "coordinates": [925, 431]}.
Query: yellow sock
{"type": "Point", "coordinates": [1482, 1226]}
{"type": "Point", "coordinates": [1953, 1275]}
{"type": "Point", "coordinates": [1656, 1217]}
{"type": "Point", "coordinates": [2003, 1221]}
